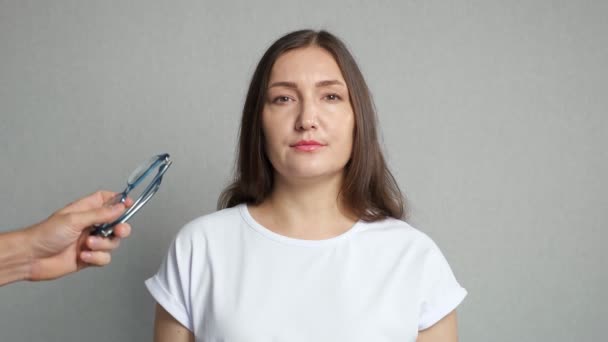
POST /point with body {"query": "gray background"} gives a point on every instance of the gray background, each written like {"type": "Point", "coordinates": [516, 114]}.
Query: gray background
{"type": "Point", "coordinates": [493, 119]}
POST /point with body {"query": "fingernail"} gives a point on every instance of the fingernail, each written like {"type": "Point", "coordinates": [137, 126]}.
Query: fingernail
{"type": "Point", "coordinates": [113, 201]}
{"type": "Point", "coordinates": [86, 255]}
{"type": "Point", "coordinates": [117, 207]}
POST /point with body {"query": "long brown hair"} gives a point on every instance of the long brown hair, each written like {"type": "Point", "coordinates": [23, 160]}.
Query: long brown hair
{"type": "Point", "coordinates": [369, 189]}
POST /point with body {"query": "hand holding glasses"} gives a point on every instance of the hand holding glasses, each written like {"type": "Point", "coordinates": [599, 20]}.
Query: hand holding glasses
{"type": "Point", "coordinates": [141, 185]}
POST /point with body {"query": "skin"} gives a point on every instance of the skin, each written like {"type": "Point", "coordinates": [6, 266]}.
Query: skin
{"type": "Point", "coordinates": [61, 244]}
{"type": "Point", "coordinates": [167, 328]}
{"type": "Point", "coordinates": [446, 330]}
{"type": "Point", "coordinates": [307, 99]}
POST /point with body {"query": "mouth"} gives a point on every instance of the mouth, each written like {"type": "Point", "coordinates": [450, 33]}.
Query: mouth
{"type": "Point", "coordinates": [307, 145]}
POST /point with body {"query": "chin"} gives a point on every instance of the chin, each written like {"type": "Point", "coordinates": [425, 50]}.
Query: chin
{"type": "Point", "coordinates": [312, 173]}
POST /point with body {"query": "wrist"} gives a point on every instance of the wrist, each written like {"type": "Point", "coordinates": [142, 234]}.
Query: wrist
{"type": "Point", "coordinates": [16, 258]}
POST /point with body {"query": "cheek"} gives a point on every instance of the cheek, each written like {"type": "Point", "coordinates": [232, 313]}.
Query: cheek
{"type": "Point", "coordinates": [343, 138]}
{"type": "Point", "coordinates": [346, 129]}
{"type": "Point", "coordinates": [272, 134]}
{"type": "Point", "coordinates": [349, 133]}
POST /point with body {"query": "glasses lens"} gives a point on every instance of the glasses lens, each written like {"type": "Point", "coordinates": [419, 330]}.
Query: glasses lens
{"type": "Point", "coordinates": [142, 177]}
{"type": "Point", "coordinates": [141, 169]}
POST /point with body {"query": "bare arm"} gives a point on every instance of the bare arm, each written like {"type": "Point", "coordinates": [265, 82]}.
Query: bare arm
{"type": "Point", "coordinates": [168, 329]}
{"type": "Point", "coordinates": [61, 244]}
{"type": "Point", "coordinates": [446, 330]}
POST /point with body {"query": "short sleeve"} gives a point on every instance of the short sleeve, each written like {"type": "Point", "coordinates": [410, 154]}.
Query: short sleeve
{"type": "Point", "coordinates": [170, 286]}
{"type": "Point", "coordinates": [441, 292]}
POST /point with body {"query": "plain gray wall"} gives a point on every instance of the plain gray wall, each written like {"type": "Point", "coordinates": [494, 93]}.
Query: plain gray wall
{"type": "Point", "coordinates": [493, 119]}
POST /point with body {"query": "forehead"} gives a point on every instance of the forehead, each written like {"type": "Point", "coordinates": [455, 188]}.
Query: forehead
{"type": "Point", "coordinates": [309, 63]}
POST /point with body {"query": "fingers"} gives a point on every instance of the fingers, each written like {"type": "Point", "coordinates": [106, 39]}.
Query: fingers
{"type": "Point", "coordinates": [100, 248]}
{"type": "Point", "coordinates": [96, 258]}
{"type": "Point", "coordinates": [128, 202]}
{"type": "Point", "coordinates": [122, 230]}
{"type": "Point", "coordinates": [92, 201]}
{"type": "Point", "coordinates": [97, 243]}
{"type": "Point", "coordinates": [82, 220]}
{"type": "Point", "coordinates": [109, 197]}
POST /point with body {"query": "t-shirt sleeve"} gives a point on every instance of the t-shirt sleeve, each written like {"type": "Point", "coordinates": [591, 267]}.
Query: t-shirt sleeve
{"type": "Point", "coordinates": [170, 286]}
{"type": "Point", "coordinates": [441, 292]}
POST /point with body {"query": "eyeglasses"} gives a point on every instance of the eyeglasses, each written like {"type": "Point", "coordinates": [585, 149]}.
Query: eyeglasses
{"type": "Point", "coordinates": [142, 184]}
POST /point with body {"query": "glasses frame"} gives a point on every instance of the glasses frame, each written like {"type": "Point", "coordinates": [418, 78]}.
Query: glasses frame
{"type": "Point", "coordinates": [161, 163]}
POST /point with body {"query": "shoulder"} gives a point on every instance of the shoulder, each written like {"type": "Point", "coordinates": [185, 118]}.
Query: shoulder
{"type": "Point", "coordinates": [401, 233]}
{"type": "Point", "coordinates": [209, 225]}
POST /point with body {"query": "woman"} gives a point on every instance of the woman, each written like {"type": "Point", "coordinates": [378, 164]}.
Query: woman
{"type": "Point", "coordinates": [309, 245]}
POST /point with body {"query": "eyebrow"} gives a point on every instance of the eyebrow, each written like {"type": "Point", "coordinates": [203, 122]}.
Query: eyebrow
{"type": "Point", "coordinates": [318, 84]}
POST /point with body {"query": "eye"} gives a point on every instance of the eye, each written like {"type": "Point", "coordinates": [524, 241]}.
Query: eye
{"type": "Point", "coordinates": [281, 99]}
{"type": "Point", "coordinates": [333, 97]}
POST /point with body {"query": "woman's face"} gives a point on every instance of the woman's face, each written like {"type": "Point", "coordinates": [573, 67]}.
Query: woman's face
{"type": "Point", "coordinates": [307, 119]}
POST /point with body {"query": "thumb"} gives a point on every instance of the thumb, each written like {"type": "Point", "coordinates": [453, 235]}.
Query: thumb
{"type": "Point", "coordinates": [85, 219]}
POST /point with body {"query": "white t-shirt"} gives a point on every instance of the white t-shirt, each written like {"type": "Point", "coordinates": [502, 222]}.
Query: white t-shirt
{"type": "Point", "coordinates": [227, 278]}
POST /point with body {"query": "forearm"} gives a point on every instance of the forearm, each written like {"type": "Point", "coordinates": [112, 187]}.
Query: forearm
{"type": "Point", "coordinates": [15, 257]}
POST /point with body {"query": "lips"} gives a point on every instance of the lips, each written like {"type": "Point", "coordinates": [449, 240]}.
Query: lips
{"type": "Point", "coordinates": [307, 145]}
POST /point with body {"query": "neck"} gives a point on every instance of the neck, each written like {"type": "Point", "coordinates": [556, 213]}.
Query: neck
{"type": "Point", "coordinates": [306, 208]}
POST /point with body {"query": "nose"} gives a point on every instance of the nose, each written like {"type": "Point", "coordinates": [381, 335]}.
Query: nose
{"type": "Point", "coordinates": [307, 118]}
